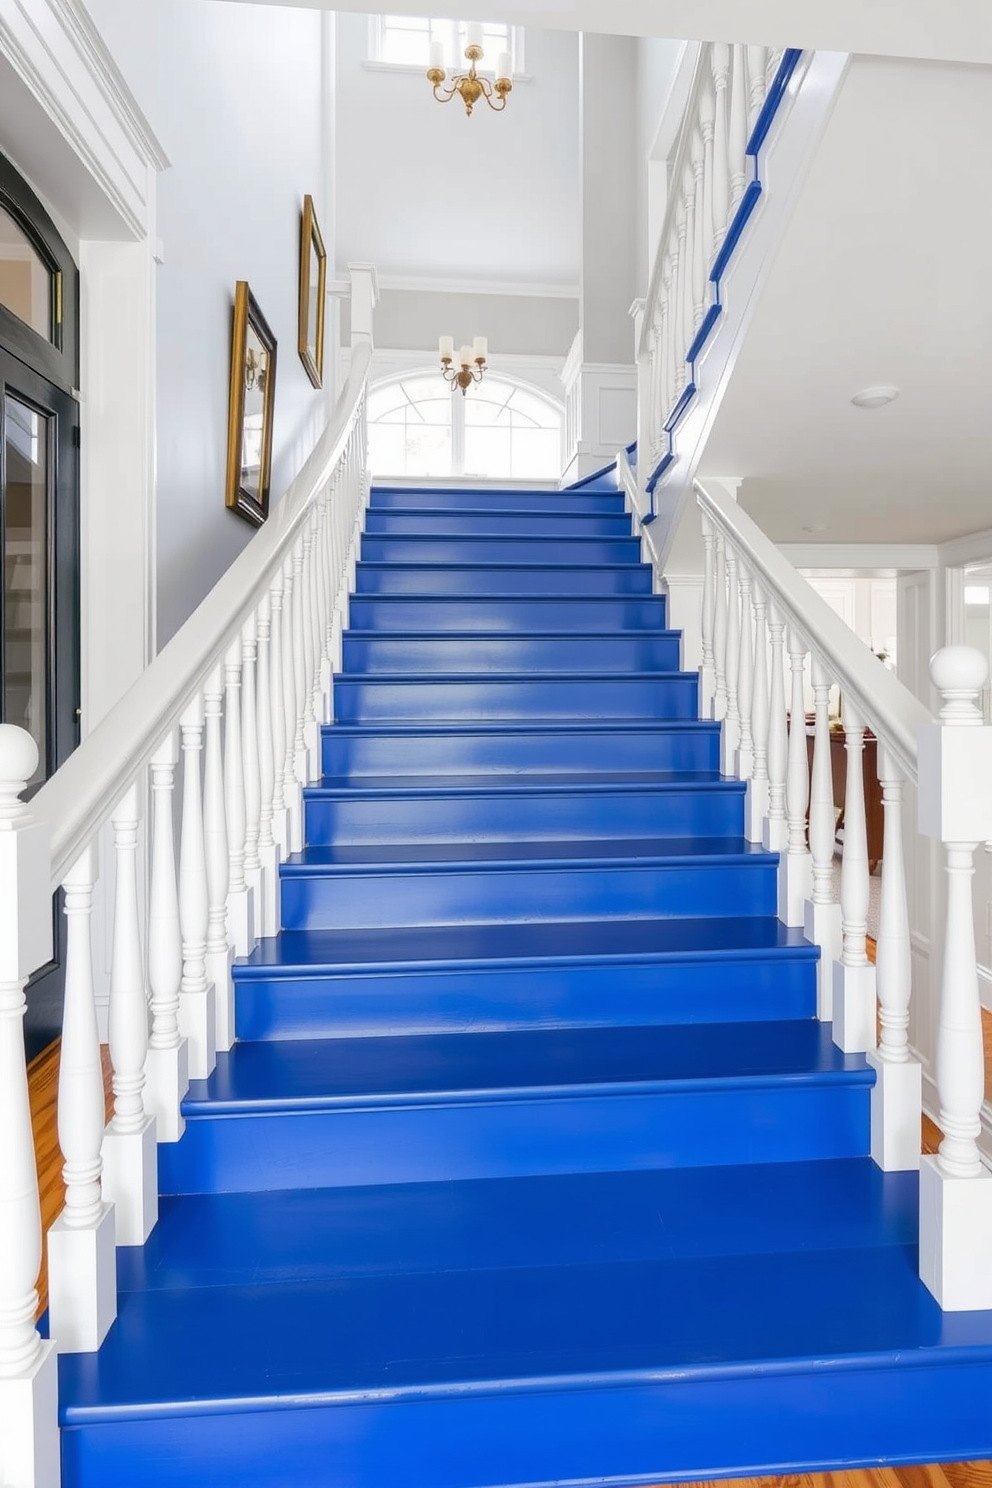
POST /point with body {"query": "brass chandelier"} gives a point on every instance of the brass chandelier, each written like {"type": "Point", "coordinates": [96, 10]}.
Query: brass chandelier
{"type": "Point", "coordinates": [468, 85]}
{"type": "Point", "coordinates": [465, 374]}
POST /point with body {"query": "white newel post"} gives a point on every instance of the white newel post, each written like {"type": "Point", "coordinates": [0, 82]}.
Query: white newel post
{"type": "Point", "coordinates": [775, 834]}
{"type": "Point", "coordinates": [250, 759]}
{"type": "Point", "coordinates": [707, 677]}
{"type": "Point", "coordinates": [719, 631]}
{"type": "Point", "coordinates": [240, 902]}
{"type": "Point", "coordinates": [794, 878]}
{"type": "Point", "coordinates": [822, 912]}
{"type": "Point", "coordinates": [731, 734]}
{"type": "Point", "coordinates": [167, 1065]}
{"type": "Point", "coordinates": [896, 1099]}
{"type": "Point", "coordinates": [82, 1253]}
{"type": "Point", "coordinates": [756, 800]}
{"type": "Point", "coordinates": [853, 974]}
{"type": "Point", "coordinates": [130, 1157]}
{"type": "Point", "coordinates": [197, 1010]}
{"type": "Point", "coordinates": [218, 954]}
{"type": "Point", "coordinates": [29, 1436]}
{"type": "Point", "coordinates": [268, 851]}
{"type": "Point", "coordinates": [955, 807]}
{"type": "Point", "coordinates": [744, 762]}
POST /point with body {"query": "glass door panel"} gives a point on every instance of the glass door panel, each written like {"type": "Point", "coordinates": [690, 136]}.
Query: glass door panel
{"type": "Point", "coordinates": [26, 649]}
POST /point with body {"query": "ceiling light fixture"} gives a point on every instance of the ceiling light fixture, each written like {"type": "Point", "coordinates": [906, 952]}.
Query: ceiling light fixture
{"type": "Point", "coordinates": [468, 85]}
{"type": "Point", "coordinates": [875, 397]}
{"type": "Point", "coordinates": [464, 378]}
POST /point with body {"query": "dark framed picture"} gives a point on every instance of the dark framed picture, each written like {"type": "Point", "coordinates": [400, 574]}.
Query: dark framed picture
{"type": "Point", "coordinates": [253, 389]}
{"type": "Point", "coordinates": [313, 284]}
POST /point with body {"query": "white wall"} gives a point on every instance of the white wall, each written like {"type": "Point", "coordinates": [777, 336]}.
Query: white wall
{"type": "Point", "coordinates": [424, 191]}
{"type": "Point", "coordinates": [234, 92]}
{"type": "Point", "coordinates": [609, 193]}
{"type": "Point", "coordinates": [657, 64]}
{"type": "Point", "coordinates": [528, 325]}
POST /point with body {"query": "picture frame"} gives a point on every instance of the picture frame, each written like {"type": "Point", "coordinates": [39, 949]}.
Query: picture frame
{"type": "Point", "coordinates": [313, 287]}
{"type": "Point", "coordinates": [252, 402]}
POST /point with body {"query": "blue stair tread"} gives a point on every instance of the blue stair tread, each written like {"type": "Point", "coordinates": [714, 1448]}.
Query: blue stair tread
{"type": "Point", "coordinates": [524, 782]}
{"type": "Point", "coordinates": [569, 1219]}
{"type": "Point", "coordinates": [409, 856]}
{"type": "Point", "coordinates": [569, 726]}
{"type": "Point", "coordinates": [506, 564]}
{"type": "Point", "coordinates": [706, 939]}
{"type": "Point", "coordinates": [324, 1074]}
{"type": "Point", "coordinates": [288, 1344]}
{"type": "Point", "coordinates": [511, 637]}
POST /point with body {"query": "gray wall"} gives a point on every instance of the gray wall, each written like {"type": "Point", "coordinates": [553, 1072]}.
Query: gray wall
{"type": "Point", "coordinates": [412, 320]}
{"type": "Point", "coordinates": [609, 194]}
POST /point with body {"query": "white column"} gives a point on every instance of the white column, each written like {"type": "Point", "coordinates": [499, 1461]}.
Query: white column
{"type": "Point", "coordinates": [250, 742]}
{"type": "Point", "coordinates": [744, 762]}
{"type": "Point", "coordinates": [167, 1066]}
{"type": "Point", "coordinates": [268, 852]}
{"type": "Point", "coordinates": [896, 1099]}
{"type": "Point", "coordinates": [29, 1435]}
{"type": "Point", "coordinates": [775, 834]}
{"type": "Point", "coordinates": [756, 800]}
{"type": "Point", "coordinates": [720, 630]}
{"type": "Point", "coordinates": [197, 1010]}
{"type": "Point", "coordinates": [822, 912]}
{"type": "Point", "coordinates": [130, 1157]}
{"type": "Point", "coordinates": [707, 677]}
{"type": "Point", "coordinates": [240, 904]}
{"type": "Point", "coordinates": [853, 974]}
{"type": "Point", "coordinates": [731, 734]}
{"type": "Point", "coordinates": [219, 953]}
{"type": "Point", "coordinates": [82, 1254]}
{"type": "Point", "coordinates": [955, 806]}
{"type": "Point", "coordinates": [794, 878]}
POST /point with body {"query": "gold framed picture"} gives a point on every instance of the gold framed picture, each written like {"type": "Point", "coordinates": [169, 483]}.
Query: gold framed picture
{"type": "Point", "coordinates": [253, 389]}
{"type": "Point", "coordinates": [313, 285]}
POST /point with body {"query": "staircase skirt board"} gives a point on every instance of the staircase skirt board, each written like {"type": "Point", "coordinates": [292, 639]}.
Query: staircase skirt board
{"type": "Point", "coordinates": [531, 1164]}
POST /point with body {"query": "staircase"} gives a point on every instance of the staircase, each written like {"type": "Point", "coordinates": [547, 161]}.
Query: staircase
{"type": "Point", "coordinates": [531, 1163]}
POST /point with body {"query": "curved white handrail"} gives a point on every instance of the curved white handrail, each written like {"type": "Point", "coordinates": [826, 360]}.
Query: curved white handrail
{"type": "Point", "coordinates": [893, 713]}
{"type": "Point", "coordinates": [82, 793]}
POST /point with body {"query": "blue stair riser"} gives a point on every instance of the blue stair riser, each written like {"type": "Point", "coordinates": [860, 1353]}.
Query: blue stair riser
{"type": "Point", "coordinates": [497, 523]}
{"type": "Point", "coordinates": [529, 501]}
{"type": "Point", "coordinates": [350, 750]}
{"type": "Point", "coordinates": [809, 1416]}
{"type": "Point", "coordinates": [447, 1138]}
{"type": "Point", "coordinates": [506, 616]}
{"type": "Point", "coordinates": [503, 579]}
{"type": "Point", "coordinates": [438, 999]}
{"type": "Point", "coordinates": [481, 894]}
{"type": "Point", "coordinates": [392, 700]}
{"type": "Point", "coordinates": [433, 816]}
{"type": "Point", "coordinates": [538, 551]}
{"type": "Point", "coordinates": [390, 654]}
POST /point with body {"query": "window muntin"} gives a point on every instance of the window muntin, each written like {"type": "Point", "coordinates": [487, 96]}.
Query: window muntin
{"type": "Point", "coordinates": [404, 41]}
{"type": "Point", "coordinates": [27, 284]}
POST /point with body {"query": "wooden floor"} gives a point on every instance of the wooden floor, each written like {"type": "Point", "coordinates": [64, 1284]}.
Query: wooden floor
{"type": "Point", "coordinates": [945, 1475]}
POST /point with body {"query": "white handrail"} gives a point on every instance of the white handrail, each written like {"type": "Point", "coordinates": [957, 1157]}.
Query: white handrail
{"type": "Point", "coordinates": [893, 713]}
{"type": "Point", "coordinates": [82, 793]}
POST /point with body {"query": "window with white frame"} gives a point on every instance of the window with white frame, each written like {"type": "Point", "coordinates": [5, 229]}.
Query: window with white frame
{"type": "Point", "coordinates": [500, 429]}
{"type": "Point", "coordinates": [404, 41]}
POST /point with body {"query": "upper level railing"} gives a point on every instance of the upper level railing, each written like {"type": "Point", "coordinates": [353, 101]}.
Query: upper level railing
{"type": "Point", "coordinates": [238, 695]}
{"type": "Point", "coordinates": [735, 94]}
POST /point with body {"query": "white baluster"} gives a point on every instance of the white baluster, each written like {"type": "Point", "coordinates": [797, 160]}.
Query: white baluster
{"type": "Point", "coordinates": [240, 902]}
{"type": "Point", "coordinates": [738, 127]}
{"type": "Point", "coordinates": [82, 1252]}
{"type": "Point", "coordinates": [775, 55]}
{"type": "Point", "coordinates": [325, 676]}
{"type": "Point", "coordinates": [666, 356]}
{"type": "Point", "coordinates": [268, 850]}
{"type": "Point", "coordinates": [250, 732]}
{"type": "Point", "coordinates": [167, 1066]}
{"type": "Point", "coordinates": [689, 261]}
{"type": "Point", "coordinates": [822, 912]}
{"type": "Point", "coordinates": [731, 735]}
{"type": "Point", "coordinates": [309, 724]}
{"type": "Point", "coordinates": [744, 762]}
{"type": "Point", "coordinates": [720, 62]}
{"type": "Point", "coordinates": [197, 1007]}
{"type": "Point", "coordinates": [775, 833]}
{"type": "Point", "coordinates": [795, 875]}
{"type": "Point", "coordinates": [291, 781]}
{"type": "Point", "coordinates": [707, 677]}
{"type": "Point", "coordinates": [756, 800]}
{"type": "Point", "coordinates": [757, 62]}
{"type": "Point", "coordinates": [700, 233]}
{"type": "Point", "coordinates": [853, 974]}
{"type": "Point", "coordinates": [681, 292]}
{"type": "Point", "coordinates": [301, 679]}
{"type": "Point", "coordinates": [707, 109]}
{"type": "Point", "coordinates": [896, 1099]}
{"type": "Point", "coordinates": [29, 1437]}
{"type": "Point", "coordinates": [955, 807]}
{"type": "Point", "coordinates": [219, 952]}
{"type": "Point", "coordinates": [280, 814]}
{"type": "Point", "coordinates": [130, 1157]}
{"type": "Point", "coordinates": [720, 630]}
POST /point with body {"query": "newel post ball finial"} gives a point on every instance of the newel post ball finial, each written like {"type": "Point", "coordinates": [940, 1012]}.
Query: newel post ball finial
{"type": "Point", "coordinates": [959, 673]}
{"type": "Point", "coordinates": [18, 762]}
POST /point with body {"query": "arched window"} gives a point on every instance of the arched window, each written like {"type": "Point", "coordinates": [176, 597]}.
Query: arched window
{"type": "Point", "coordinates": [501, 430]}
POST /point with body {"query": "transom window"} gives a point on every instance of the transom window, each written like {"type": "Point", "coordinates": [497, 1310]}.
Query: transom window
{"type": "Point", "coordinates": [27, 284]}
{"type": "Point", "coordinates": [403, 41]}
{"type": "Point", "coordinates": [499, 430]}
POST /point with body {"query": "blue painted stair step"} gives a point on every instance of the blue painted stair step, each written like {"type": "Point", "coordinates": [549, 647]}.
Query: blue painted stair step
{"type": "Point", "coordinates": [440, 613]}
{"type": "Point", "coordinates": [564, 502]}
{"type": "Point", "coordinates": [440, 697]}
{"type": "Point", "coordinates": [416, 522]}
{"type": "Point", "coordinates": [588, 578]}
{"type": "Point", "coordinates": [538, 552]}
{"type": "Point", "coordinates": [470, 652]}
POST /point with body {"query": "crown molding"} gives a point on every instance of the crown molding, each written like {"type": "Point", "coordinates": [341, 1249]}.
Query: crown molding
{"type": "Point", "coordinates": [905, 556]}
{"type": "Point", "coordinates": [423, 283]}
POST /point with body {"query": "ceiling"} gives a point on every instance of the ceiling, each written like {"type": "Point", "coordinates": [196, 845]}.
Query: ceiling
{"type": "Point", "coordinates": [882, 278]}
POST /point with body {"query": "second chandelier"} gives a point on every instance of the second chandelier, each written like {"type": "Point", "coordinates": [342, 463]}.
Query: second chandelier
{"type": "Point", "coordinates": [469, 86]}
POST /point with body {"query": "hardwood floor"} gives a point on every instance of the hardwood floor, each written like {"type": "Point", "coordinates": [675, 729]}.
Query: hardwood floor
{"type": "Point", "coordinates": [942, 1475]}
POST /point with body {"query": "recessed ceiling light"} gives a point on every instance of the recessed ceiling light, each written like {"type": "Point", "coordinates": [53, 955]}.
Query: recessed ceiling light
{"type": "Point", "coordinates": [875, 397]}
{"type": "Point", "coordinates": [816, 527]}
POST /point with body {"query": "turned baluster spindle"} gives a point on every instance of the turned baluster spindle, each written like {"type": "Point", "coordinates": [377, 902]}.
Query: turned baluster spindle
{"type": "Point", "coordinates": [167, 1057]}
{"type": "Point", "coordinates": [218, 859]}
{"type": "Point", "coordinates": [756, 801]}
{"type": "Point", "coordinates": [707, 678]}
{"type": "Point", "coordinates": [738, 126]}
{"type": "Point", "coordinates": [681, 294]}
{"type": "Point", "coordinates": [794, 871]}
{"type": "Point", "coordinates": [775, 55]}
{"type": "Point", "coordinates": [757, 63]}
{"type": "Point", "coordinates": [720, 62]}
{"type": "Point", "coordinates": [251, 742]}
{"type": "Point", "coordinates": [128, 1016]}
{"type": "Point", "coordinates": [707, 106]}
{"type": "Point", "coordinates": [822, 816]}
{"type": "Point", "coordinates": [81, 1098]}
{"type": "Point", "coordinates": [745, 677]}
{"type": "Point", "coordinates": [699, 231]}
{"type": "Point", "coordinates": [291, 780]}
{"type": "Point", "coordinates": [719, 629]}
{"type": "Point", "coordinates": [234, 768]}
{"type": "Point", "coordinates": [301, 680]}
{"type": "Point", "coordinates": [277, 702]}
{"type": "Point", "coordinates": [775, 836]}
{"type": "Point", "coordinates": [893, 953]}
{"type": "Point", "coordinates": [308, 718]}
{"type": "Point", "coordinates": [854, 975]}
{"type": "Point", "coordinates": [197, 1015]}
{"type": "Point", "coordinates": [266, 845]}
{"type": "Point", "coordinates": [732, 718]}
{"type": "Point", "coordinates": [689, 260]}
{"type": "Point", "coordinates": [323, 674]}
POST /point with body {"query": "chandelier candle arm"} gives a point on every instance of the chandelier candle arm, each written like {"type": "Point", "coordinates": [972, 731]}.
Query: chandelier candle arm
{"type": "Point", "coordinates": [471, 362]}
{"type": "Point", "coordinates": [469, 86]}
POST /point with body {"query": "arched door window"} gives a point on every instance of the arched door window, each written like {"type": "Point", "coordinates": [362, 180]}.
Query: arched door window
{"type": "Point", "coordinates": [499, 430]}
